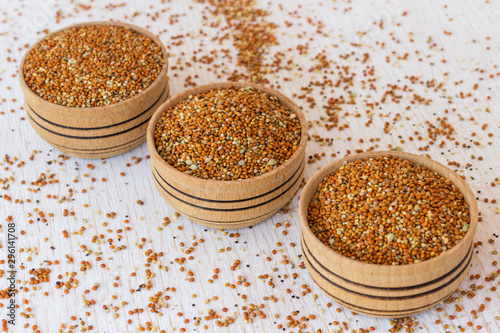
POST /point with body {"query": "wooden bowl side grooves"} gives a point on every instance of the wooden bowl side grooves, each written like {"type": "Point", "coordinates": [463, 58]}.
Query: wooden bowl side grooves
{"type": "Point", "coordinates": [101, 142]}
{"type": "Point", "coordinates": [388, 301]}
{"type": "Point", "coordinates": [221, 204]}
{"type": "Point", "coordinates": [228, 204]}
{"type": "Point", "coordinates": [230, 214]}
{"type": "Point", "coordinates": [387, 290]}
{"type": "Point", "coordinates": [413, 286]}
{"type": "Point", "coordinates": [97, 132]}
{"type": "Point", "coordinates": [90, 121]}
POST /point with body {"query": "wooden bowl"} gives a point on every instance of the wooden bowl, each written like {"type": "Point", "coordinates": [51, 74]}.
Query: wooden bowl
{"type": "Point", "coordinates": [388, 291]}
{"type": "Point", "coordinates": [97, 132]}
{"type": "Point", "coordinates": [228, 204]}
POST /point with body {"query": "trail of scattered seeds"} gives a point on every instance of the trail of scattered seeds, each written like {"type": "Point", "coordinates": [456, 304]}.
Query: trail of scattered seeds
{"type": "Point", "coordinates": [387, 86]}
{"type": "Point", "coordinates": [252, 35]}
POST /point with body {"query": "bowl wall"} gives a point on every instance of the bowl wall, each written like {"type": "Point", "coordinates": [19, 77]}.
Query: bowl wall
{"type": "Point", "coordinates": [228, 204]}
{"type": "Point", "coordinates": [387, 290]}
{"type": "Point", "coordinates": [97, 132]}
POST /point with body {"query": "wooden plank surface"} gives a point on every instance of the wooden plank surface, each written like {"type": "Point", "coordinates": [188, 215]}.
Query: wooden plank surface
{"type": "Point", "coordinates": [453, 43]}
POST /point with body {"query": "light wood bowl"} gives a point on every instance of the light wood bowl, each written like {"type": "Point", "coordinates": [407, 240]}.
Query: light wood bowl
{"type": "Point", "coordinates": [387, 291]}
{"type": "Point", "coordinates": [228, 204]}
{"type": "Point", "coordinates": [97, 132]}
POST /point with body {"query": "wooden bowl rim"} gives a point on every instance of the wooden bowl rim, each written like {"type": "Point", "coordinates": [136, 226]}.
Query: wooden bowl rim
{"type": "Point", "coordinates": [385, 270]}
{"type": "Point", "coordinates": [96, 110]}
{"type": "Point", "coordinates": [228, 185]}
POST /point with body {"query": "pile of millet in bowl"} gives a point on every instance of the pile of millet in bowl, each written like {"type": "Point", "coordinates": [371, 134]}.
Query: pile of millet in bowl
{"type": "Point", "coordinates": [388, 211]}
{"type": "Point", "coordinates": [227, 134]}
{"type": "Point", "coordinates": [92, 65]}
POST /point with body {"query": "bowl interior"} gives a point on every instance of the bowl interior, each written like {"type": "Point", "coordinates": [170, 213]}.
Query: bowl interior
{"type": "Point", "coordinates": [227, 185]}
{"type": "Point", "coordinates": [98, 110]}
{"type": "Point", "coordinates": [334, 257]}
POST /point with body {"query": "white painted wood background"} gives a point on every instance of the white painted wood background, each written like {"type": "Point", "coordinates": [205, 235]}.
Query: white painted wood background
{"type": "Point", "coordinates": [21, 23]}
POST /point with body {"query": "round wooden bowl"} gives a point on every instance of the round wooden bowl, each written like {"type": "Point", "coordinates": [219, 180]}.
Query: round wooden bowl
{"type": "Point", "coordinates": [97, 132]}
{"type": "Point", "coordinates": [387, 291]}
{"type": "Point", "coordinates": [228, 204]}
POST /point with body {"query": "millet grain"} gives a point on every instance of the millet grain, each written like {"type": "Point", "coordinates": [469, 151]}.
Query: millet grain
{"type": "Point", "coordinates": [227, 134]}
{"type": "Point", "coordinates": [94, 65]}
{"type": "Point", "coordinates": [388, 211]}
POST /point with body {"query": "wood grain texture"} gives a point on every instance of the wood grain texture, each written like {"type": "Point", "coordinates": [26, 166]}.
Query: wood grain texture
{"type": "Point", "coordinates": [228, 204]}
{"type": "Point", "coordinates": [387, 290]}
{"type": "Point", "coordinates": [391, 303]}
{"type": "Point", "coordinates": [100, 141]}
{"type": "Point", "coordinates": [351, 31]}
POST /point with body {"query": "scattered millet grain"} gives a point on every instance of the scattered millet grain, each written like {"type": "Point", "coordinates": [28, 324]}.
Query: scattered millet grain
{"type": "Point", "coordinates": [344, 80]}
{"type": "Point", "coordinates": [92, 65]}
{"type": "Point", "coordinates": [388, 211]}
{"type": "Point", "coordinates": [252, 36]}
{"type": "Point", "coordinates": [227, 134]}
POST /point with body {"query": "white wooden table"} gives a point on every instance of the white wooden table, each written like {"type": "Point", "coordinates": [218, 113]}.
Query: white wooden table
{"type": "Point", "coordinates": [457, 41]}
